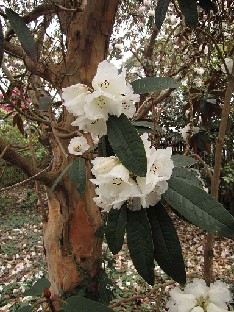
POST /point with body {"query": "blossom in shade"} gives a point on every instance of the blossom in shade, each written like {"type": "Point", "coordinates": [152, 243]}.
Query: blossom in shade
{"type": "Point", "coordinates": [198, 297]}
{"type": "Point", "coordinates": [187, 129]}
{"type": "Point", "coordinates": [78, 145]}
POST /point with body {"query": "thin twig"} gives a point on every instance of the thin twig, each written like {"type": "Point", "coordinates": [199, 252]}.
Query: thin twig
{"type": "Point", "coordinates": [27, 180]}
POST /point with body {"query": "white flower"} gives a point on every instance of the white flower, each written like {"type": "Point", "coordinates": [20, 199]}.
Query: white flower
{"type": "Point", "coordinates": [147, 2]}
{"type": "Point", "coordinates": [180, 302]}
{"type": "Point", "coordinates": [95, 127]}
{"type": "Point", "coordinates": [229, 64]}
{"type": "Point", "coordinates": [198, 82]}
{"type": "Point", "coordinates": [219, 294]}
{"type": "Point", "coordinates": [100, 104]}
{"type": "Point", "coordinates": [73, 97]}
{"type": "Point", "coordinates": [151, 12]}
{"type": "Point", "coordinates": [109, 80]}
{"type": "Point", "coordinates": [200, 70]}
{"type": "Point", "coordinates": [197, 297]}
{"type": "Point", "coordinates": [173, 19]}
{"type": "Point", "coordinates": [187, 129]}
{"type": "Point", "coordinates": [142, 9]}
{"type": "Point", "coordinates": [197, 309]}
{"type": "Point", "coordinates": [103, 165]}
{"type": "Point", "coordinates": [211, 307]}
{"type": "Point", "coordinates": [78, 145]}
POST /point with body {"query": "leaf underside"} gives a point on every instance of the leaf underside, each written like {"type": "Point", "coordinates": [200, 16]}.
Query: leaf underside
{"type": "Point", "coordinates": [153, 84]}
{"type": "Point", "coordinates": [38, 288]}
{"type": "Point", "coordinates": [199, 207]}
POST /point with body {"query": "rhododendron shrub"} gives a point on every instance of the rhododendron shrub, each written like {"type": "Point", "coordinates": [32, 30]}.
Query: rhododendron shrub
{"type": "Point", "coordinates": [133, 180]}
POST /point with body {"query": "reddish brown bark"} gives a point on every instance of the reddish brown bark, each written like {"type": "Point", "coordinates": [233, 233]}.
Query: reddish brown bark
{"type": "Point", "coordinates": [73, 252]}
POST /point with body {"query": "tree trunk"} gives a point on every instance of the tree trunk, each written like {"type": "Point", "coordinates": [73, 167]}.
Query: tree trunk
{"type": "Point", "coordinates": [73, 252]}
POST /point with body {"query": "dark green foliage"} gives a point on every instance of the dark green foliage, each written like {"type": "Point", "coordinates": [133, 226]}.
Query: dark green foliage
{"type": "Point", "coordinates": [189, 10]}
{"type": "Point", "coordinates": [105, 294]}
{"type": "Point", "coordinates": [77, 172]}
{"type": "Point", "coordinates": [189, 176]}
{"type": "Point", "coordinates": [23, 33]}
{"type": "Point", "coordinates": [59, 178]}
{"type": "Point", "coordinates": [140, 244]}
{"type": "Point", "coordinates": [199, 207]}
{"type": "Point", "coordinates": [115, 228]}
{"type": "Point", "coordinates": [38, 288]}
{"type": "Point", "coordinates": [127, 144]}
{"type": "Point", "coordinates": [182, 160]}
{"type": "Point", "coordinates": [25, 308]}
{"type": "Point", "coordinates": [81, 304]}
{"type": "Point", "coordinates": [154, 84]}
{"type": "Point", "coordinates": [167, 250]}
{"type": "Point", "coordinates": [160, 12]}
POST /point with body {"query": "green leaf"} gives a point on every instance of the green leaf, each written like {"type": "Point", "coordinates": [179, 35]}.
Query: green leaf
{"type": "Point", "coordinates": [189, 176]}
{"type": "Point", "coordinates": [140, 244]}
{"type": "Point", "coordinates": [1, 44]}
{"type": "Point", "coordinates": [25, 308]}
{"type": "Point", "coordinates": [105, 284]}
{"type": "Point", "coordinates": [59, 178]}
{"type": "Point", "coordinates": [38, 287]}
{"type": "Point", "coordinates": [160, 12]}
{"type": "Point", "coordinates": [189, 10]}
{"type": "Point", "coordinates": [167, 249]}
{"type": "Point", "coordinates": [199, 207]}
{"type": "Point", "coordinates": [23, 33]}
{"type": "Point", "coordinates": [127, 144]}
{"type": "Point", "coordinates": [182, 160]}
{"type": "Point", "coordinates": [77, 174]}
{"type": "Point", "coordinates": [115, 228]}
{"type": "Point", "coordinates": [81, 304]}
{"type": "Point", "coordinates": [153, 84]}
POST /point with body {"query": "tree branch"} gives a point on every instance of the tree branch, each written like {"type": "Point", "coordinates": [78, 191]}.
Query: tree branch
{"type": "Point", "coordinates": [48, 72]}
{"type": "Point", "coordinates": [21, 162]}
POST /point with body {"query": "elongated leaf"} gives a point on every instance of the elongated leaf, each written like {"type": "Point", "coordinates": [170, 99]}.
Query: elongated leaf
{"type": "Point", "coordinates": [23, 33]}
{"type": "Point", "coordinates": [81, 304]}
{"type": "Point", "coordinates": [182, 160]}
{"type": "Point", "coordinates": [59, 178]}
{"type": "Point", "coordinates": [160, 12]}
{"type": "Point", "coordinates": [115, 228]}
{"type": "Point", "coordinates": [187, 175]}
{"type": "Point", "coordinates": [153, 84]}
{"type": "Point", "coordinates": [38, 288]}
{"type": "Point", "coordinates": [77, 174]}
{"type": "Point", "coordinates": [199, 207]}
{"type": "Point", "coordinates": [1, 44]}
{"type": "Point", "coordinates": [167, 249]}
{"type": "Point", "coordinates": [140, 244]}
{"type": "Point", "coordinates": [25, 308]}
{"type": "Point", "coordinates": [189, 10]}
{"type": "Point", "coordinates": [127, 144]}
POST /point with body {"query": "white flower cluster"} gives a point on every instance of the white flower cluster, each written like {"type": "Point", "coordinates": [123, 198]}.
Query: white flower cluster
{"type": "Point", "coordinates": [110, 95]}
{"type": "Point", "coordinates": [197, 297]}
{"type": "Point", "coordinates": [115, 184]}
{"type": "Point", "coordinates": [185, 131]}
